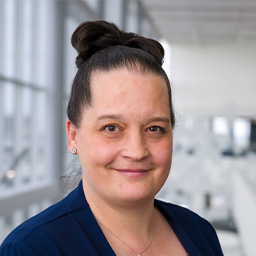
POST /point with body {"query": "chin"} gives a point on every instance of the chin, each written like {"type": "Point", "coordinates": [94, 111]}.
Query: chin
{"type": "Point", "coordinates": [137, 196]}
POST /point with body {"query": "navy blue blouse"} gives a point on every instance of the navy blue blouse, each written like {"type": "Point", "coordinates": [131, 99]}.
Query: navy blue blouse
{"type": "Point", "coordinates": [69, 228]}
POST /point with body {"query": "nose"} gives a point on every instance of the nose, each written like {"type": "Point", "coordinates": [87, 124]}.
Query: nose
{"type": "Point", "coordinates": [134, 146]}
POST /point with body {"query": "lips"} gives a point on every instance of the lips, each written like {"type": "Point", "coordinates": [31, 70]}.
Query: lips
{"type": "Point", "coordinates": [133, 173]}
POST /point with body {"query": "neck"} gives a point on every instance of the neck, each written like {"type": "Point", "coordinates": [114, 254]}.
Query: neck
{"type": "Point", "coordinates": [137, 219]}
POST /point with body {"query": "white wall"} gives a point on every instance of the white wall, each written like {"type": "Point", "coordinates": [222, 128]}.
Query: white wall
{"type": "Point", "coordinates": [214, 79]}
{"type": "Point", "coordinates": [245, 211]}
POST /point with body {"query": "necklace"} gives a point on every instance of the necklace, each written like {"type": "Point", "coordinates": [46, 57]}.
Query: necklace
{"type": "Point", "coordinates": [137, 254]}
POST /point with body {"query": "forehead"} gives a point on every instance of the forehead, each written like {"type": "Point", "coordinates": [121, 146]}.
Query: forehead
{"type": "Point", "coordinates": [133, 78]}
{"type": "Point", "coordinates": [126, 90]}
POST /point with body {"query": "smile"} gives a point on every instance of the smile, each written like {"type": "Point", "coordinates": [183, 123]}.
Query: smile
{"type": "Point", "coordinates": [133, 173]}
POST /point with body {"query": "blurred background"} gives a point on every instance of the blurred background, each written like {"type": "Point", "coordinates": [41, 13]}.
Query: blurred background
{"type": "Point", "coordinates": [211, 62]}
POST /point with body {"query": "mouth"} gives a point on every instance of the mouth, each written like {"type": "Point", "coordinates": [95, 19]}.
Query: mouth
{"type": "Point", "coordinates": [133, 173]}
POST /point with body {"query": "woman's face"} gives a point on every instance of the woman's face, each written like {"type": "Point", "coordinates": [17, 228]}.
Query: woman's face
{"type": "Point", "coordinates": [124, 141]}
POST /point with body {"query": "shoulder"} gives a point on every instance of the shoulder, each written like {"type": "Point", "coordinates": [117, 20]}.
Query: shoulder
{"type": "Point", "coordinates": [198, 229]}
{"type": "Point", "coordinates": [48, 221]}
{"type": "Point", "coordinates": [183, 215]}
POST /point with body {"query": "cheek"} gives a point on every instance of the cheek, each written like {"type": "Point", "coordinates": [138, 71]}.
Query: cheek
{"type": "Point", "coordinates": [100, 153]}
{"type": "Point", "coordinates": [163, 154]}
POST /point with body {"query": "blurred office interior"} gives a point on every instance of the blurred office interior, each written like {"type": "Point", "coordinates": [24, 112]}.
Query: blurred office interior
{"type": "Point", "coordinates": [211, 61]}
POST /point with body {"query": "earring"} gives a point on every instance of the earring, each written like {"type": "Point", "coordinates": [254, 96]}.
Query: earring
{"type": "Point", "coordinates": [73, 151]}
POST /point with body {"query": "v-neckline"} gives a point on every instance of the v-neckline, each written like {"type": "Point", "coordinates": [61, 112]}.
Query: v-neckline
{"type": "Point", "coordinates": [177, 227]}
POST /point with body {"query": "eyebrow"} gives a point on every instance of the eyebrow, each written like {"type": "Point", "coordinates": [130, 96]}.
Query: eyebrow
{"type": "Point", "coordinates": [159, 119]}
{"type": "Point", "coordinates": [117, 117]}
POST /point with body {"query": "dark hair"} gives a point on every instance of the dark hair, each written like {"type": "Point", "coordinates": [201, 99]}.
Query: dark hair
{"type": "Point", "coordinates": [102, 46]}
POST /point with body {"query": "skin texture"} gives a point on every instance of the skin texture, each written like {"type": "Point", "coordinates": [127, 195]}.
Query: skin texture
{"type": "Point", "coordinates": [124, 141]}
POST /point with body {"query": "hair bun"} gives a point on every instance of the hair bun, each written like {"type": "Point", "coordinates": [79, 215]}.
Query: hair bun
{"type": "Point", "coordinates": [90, 37]}
{"type": "Point", "coordinates": [93, 36]}
{"type": "Point", "coordinates": [149, 45]}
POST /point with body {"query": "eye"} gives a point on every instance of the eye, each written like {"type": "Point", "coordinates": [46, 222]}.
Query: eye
{"type": "Point", "coordinates": [111, 128]}
{"type": "Point", "coordinates": [156, 129]}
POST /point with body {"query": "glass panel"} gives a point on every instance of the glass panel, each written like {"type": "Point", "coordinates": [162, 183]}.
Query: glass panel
{"type": "Point", "coordinates": [1, 132]}
{"type": "Point", "coordinates": [1, 33]}
{"type": "Point", "coordinates": [41, 133]}
{"type": "Point", "coordinates": [9, 130]}
{"type": "Point", "coordinates": [24, 163]}
{"type": "Point", "coordinates": [41, 42]}
{"type": "Point", "coordinates": [222, 134]}
{"type": "Point", "coordinates": [241, 135]}
{"type": "Point", "coordinates": [70, 56]}
{"type": "Point", "coordinates": [9, 38]}
{"type": "Point", "coordinates": [94, 4]}
{"type": "Point", "coordinates": [26, 44]}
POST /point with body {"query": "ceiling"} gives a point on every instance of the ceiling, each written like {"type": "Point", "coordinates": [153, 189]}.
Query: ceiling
{"type": "Point", "coordinates": [203, 21]}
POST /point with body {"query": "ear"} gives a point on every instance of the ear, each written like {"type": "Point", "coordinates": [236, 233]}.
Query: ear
{"type": "Point", "coordinates": [71, 135]}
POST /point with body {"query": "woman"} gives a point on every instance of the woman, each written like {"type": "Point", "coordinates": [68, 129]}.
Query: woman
{"type": "Point", "coordinates": [120, 121]}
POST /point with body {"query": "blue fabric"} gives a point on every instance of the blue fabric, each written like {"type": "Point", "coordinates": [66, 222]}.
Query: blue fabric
{"type": "Point", "coordinates": [69, 228]}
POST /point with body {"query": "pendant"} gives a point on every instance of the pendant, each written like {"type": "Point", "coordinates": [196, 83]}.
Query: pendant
{"type": "Point", "coordinates": [138, 254]}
